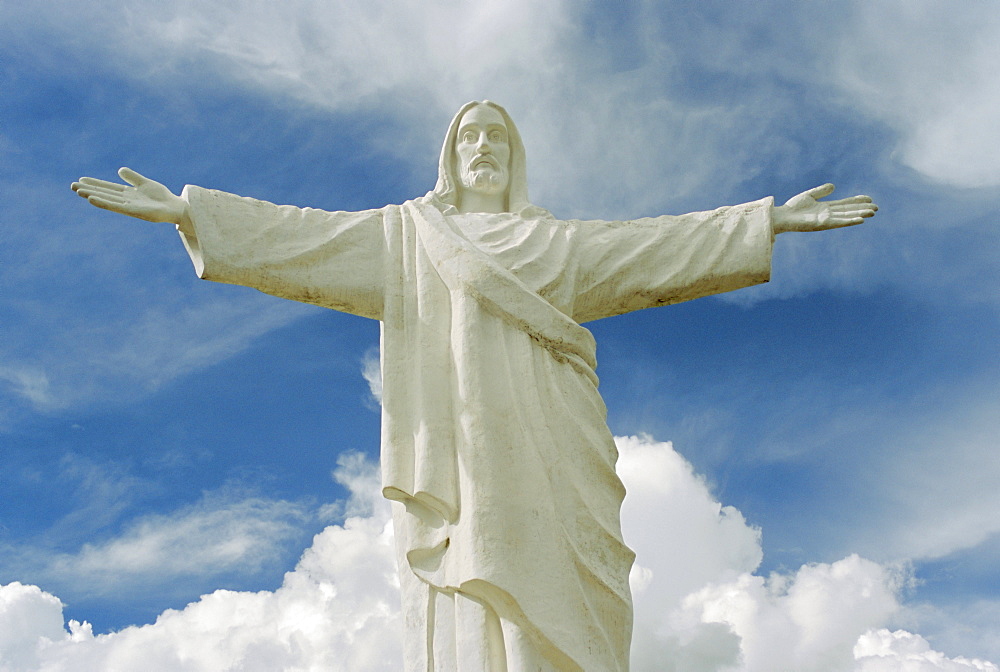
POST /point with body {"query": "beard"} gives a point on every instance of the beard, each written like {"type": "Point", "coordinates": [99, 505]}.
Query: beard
{"type": "Point", "coordinates": [485, 180]}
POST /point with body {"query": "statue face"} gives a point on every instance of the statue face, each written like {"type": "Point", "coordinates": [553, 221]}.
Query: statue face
{"type": "Point", "coordinates": [482, 154]}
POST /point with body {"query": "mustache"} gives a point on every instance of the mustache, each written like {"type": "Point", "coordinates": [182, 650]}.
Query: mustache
{"type": "Point", "coordinates": [484, 158]}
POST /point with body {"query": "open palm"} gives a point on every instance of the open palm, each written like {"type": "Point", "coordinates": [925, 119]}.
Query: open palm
{"type": "Point", "coordinates": [141, 197]}
{"type": "Point", "coordinates": [805, 212]}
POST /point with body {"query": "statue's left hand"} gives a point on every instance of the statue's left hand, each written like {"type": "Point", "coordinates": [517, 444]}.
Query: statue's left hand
{"type": "Point", "coordinates": [806, 213]}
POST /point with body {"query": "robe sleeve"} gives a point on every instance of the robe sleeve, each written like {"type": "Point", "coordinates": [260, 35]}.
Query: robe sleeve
{"type": "Point", "coordinates": [330, 259]}
{"type": "Point", "coordinates": [657, 261]}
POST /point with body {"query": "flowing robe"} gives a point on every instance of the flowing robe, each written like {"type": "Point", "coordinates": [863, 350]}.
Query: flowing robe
{"type": "Point", "coordinates": [495, 447]}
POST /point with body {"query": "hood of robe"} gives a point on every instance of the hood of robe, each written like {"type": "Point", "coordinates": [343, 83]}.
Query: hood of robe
{"type": "Point", "coordinates": [445, 192]}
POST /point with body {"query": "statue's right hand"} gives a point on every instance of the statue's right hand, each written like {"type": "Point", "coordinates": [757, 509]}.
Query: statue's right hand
{"type": "Point", "coordinates": [145, 198]}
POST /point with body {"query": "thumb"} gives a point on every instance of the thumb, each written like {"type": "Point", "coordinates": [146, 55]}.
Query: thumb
{"type": "Point", "coordinates": [132, 177]}
{"type": "Point", "coordinates": [821, 191]}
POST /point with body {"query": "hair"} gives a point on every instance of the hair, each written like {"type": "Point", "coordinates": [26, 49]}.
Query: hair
{"type": "Point", "coordinates": [447, 189]}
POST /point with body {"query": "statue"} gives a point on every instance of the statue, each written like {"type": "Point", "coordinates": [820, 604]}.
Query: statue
{"type": "Point", "coordinates": [496, 454]}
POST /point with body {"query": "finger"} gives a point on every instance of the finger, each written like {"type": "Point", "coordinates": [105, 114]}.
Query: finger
{"type": "Point", "coordinates": [97, 188]}
{"type": "Point", "coordinates": [853, 207]}
{"type": "Point", "coordinates": [821, 191]}
{"type": "Point", "coordinates": [852, 201]}
{"type": "Point", "coordinates": [838, 223]}
{"type": "Point", "coordinates": [853, 214]}
{"type": "Point", "coordinates": [94, 182]}
{"type": "Point", "coordinates": [105, 204]}
{"type": "Point", "coordinates": [110, 197]}
{"type": "Point", "coordinates": [132, 177]}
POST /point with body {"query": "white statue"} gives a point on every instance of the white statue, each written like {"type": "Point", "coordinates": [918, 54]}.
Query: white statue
{"type": "Point", "coordinates": [495, 449]}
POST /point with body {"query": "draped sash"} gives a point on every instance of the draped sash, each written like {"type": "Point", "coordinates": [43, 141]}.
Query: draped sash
{"type": "Point", "coordinates": [436, 262]}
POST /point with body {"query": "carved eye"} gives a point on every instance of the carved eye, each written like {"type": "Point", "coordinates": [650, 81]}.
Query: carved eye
{"type": "Point", "coordinates": [496, 136]}
{"type": "Point", "coordinates": [469, 136]}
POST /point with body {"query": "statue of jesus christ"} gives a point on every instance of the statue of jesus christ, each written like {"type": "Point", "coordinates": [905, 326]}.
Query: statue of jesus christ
{"type": "Point", "coordinates": [495, 449]}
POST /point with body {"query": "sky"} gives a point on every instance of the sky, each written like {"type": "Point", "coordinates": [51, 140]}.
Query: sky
{"type": "Point", "coordinates": [189, 470]}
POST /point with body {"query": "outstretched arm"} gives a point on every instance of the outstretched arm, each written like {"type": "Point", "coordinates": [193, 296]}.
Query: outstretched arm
{"type": "Point", "coordinates": [141, 197]}
{"type": "Point", "coordinates": [806, 213]}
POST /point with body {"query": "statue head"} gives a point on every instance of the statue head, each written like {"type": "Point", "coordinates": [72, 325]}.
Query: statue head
{"type": "Point", "coordinates": [483, 151]}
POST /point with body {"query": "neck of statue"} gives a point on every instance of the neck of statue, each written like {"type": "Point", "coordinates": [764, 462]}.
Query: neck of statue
{"type": "Point", "coordinates": [472, 201]}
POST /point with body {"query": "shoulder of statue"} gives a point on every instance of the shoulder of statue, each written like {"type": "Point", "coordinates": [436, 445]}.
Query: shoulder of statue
{"type": "Point", "coordinates": [432, 199]}
{"type": "Point", "coordinates": [534, 212]}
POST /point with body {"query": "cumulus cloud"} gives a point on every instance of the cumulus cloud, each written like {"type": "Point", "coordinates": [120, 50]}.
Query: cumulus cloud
{"type": "Point", "coordinates": [900, 651]}
{"type": "Point", "coordinates": [698, 607]}
{"type": "Point", "coordinates": [29, 620]}
{"type": "Point", "coordinates": [697, 602]}
{"type": "Point", "coordinates": [682, 535]}
{"type": "Point", "coordinates": [338, 610]}
{"type": "Point", "coordinates": [807, 621]}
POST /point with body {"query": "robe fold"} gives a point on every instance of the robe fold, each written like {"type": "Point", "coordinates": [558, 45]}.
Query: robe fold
{"type": "Point", "coordinates": [495, 447]}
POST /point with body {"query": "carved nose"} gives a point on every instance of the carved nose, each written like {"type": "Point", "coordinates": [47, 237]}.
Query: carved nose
{"type": "Point", "coordinates": [484, 145]}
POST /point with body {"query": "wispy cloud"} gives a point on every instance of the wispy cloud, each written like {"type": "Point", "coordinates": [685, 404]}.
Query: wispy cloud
{"type": "Point", "coordinates": [929, 72]}
{"type": "Point", "coordinates": [224, 534]}
{"type": "Point", "coordinates": [30, 384]}
{"type": "Point", "coordinates": [371, 369]}
{"type": "Point", "coordinates": [204, 540]}
{"type": "Point", "coordinates": [932, 486]}
{"type": "Point", "coordinates": [605, 140]}
{"type": "Point", "coordinates": [624, 139]}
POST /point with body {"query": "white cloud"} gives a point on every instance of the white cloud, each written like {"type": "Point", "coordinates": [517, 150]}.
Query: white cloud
{"type": "Point", "coordinates": [144, 346]}
{"type": "Point", "coordinates": [930, 72]}
{"type": "Point", "coordinates": [204, 539]}
{"type": "Point", "coordinates": [603, 141]}
{"type": "Point", "coordinates": [697, 606]}
{"type": "Point", "coordinates": [900, 651]}
{"type": "Point", "coordinates": [805, 622]}
{"type": "Point", "coordinates": [967, 626]}
{"type": "Point", "coordinates": [371, 370]}
{"type": "Point", "coordinates": [29, 383]}
{"type": "Point", "coordinates": [938, 496]}
{"type": "Point", "coordinates": [683, 537]}
{"type": "Point", "coordinates": [224, 533]}
{"type": "Point", "coordinates": [610, 141]}
{"type": "Point", "coordinates": [696, 600]}
{"type": "Point", "coordinates": [87, 330]}
{"type": "Point", "coordinates": [364, 481]}
{"type": "Point", "coordinates": [337, 611]}
{"type": "Point", "coordinates": [29, 620]}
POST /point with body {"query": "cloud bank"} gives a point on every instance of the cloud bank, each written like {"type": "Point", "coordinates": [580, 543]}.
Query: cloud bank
{"type": "Point", "coordinates": [698, 605]}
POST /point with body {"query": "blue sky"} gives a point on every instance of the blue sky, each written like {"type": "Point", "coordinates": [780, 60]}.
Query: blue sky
{"type": "Point", "coordinates": [162, 437]}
